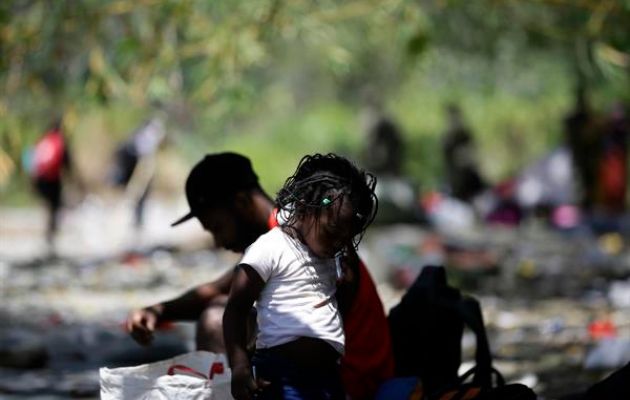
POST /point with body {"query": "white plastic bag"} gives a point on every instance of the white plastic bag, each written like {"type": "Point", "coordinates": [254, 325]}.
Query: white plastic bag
{"type": "Point", "coordinates": [197, 375]}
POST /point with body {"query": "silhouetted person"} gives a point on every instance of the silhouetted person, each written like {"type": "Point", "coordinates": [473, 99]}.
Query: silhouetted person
{"type": "Point", "coordinates": [134, 164]}
{"type": "Point", "coordinates": [384, 152]}
{"type": "Point", "coordinates": [582, 139]}
{"type": "Point", "coordinates": [50, 158]}
{"type": "Point", "coordinates": [383, 155]}
{"type": "Point", "coordinates": [458, 148]}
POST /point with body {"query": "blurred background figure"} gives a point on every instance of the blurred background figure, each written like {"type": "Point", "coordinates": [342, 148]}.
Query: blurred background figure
{"type": "Point", "coordinates": [134, 162]}
{"type": "Point", "coordinates": [48, 163]}
{"type": "Point", "coordinates": [612, 170]}
{"type": "Point", "coordinates": [384, 156]}
{"type": "Point", "coordinates": [582, 139]}
{"type": "Point", "coordinates": [384, 150]}
{"type": "Point", "coordinates": [458, 147]}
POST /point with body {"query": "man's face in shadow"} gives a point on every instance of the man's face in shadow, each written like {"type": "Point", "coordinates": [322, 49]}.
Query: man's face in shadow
{"type": "Point", "coordinates": [231, 226]}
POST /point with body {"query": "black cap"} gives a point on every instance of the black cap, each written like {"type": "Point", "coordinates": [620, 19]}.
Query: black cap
{"type": "Point", "coordinates": [215, 180]}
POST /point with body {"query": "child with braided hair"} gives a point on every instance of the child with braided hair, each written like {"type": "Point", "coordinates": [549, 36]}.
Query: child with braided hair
{"type": "Point", "coordinates": [291, 274]}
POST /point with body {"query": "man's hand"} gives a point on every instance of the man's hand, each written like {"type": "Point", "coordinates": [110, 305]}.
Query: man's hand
{"type": "Point", "coordinates": [141, 325]}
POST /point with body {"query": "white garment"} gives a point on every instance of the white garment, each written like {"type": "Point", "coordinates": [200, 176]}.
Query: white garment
{"type": "Point", "coordinates": [148, 138]}
{"type": "Point", "coordinates": [298, 299]}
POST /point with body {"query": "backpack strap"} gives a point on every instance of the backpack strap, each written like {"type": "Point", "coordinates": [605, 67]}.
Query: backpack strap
{"type": "Point", "coordinates": [470, 310]}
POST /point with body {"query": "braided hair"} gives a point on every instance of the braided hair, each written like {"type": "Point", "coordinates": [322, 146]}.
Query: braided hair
{"type": "Point", "coordinates": [321, 180]}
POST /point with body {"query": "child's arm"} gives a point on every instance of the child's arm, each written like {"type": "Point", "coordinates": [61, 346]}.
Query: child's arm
{"type": "Point", "coordinates": [246, 288]}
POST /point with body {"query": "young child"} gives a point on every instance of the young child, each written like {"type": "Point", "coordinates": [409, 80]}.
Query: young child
{"type": "Point", "coordinates": [291, 273]}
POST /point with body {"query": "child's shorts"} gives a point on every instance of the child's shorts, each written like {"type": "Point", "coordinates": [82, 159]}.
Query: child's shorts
{"type": "Point", "coordinates": [293, 381]}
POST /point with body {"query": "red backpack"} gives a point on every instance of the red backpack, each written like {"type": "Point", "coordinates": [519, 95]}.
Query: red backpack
{"type": "Point", "coordinates": [48, 156]}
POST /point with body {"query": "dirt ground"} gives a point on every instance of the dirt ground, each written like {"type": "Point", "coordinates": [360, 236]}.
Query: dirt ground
{"type": "Point", "coordinates": [555, 304]}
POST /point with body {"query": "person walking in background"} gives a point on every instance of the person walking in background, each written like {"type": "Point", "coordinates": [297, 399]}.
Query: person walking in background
{"type": "Point", "coordinates": [48, 162]}
{"type": "Point", "coordinates": [134, 165]}
{"type": "Point", "coordinates": [582, 138]}
{"type": "Point", "coordinates": [225, 196]}
{"type": "Point", "coordinates": [291, 274]}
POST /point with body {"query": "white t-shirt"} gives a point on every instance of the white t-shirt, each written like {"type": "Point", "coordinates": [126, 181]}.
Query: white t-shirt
{"type": "Point", "coordinates": [298, 299]}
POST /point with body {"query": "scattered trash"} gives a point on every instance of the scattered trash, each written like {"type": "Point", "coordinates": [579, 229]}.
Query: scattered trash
{"type": "Point", "coordinates": [611, 243]}
{"type": "Point", "coordinates": [619, 294]}
{"type": "Point", "coordinates": [447, 213]}
{"type": "Point", "coordinates": [602, 329]}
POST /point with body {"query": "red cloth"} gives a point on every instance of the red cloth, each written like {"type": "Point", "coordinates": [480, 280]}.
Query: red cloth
{"type": "Point", "coordinates": [272, 221]}
{"type": "Point", "coordinates": [368, 360]}
{"type": "Point", "coordinates": [613, 178]}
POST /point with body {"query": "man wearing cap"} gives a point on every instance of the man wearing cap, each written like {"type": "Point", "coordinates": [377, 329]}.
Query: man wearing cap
{"type": "Point", "coordinates": [224, 195]}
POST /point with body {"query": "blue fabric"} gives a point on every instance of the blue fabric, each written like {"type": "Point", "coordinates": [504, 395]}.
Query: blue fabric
{"type": "Point", "coordinates": [295, 382]}
{"type": "Point", "coordinates": [397, 388]}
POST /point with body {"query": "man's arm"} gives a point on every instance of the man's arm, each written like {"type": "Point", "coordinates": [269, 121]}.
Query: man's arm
{"type": "Point", "coordinates": [246, 288]}
{"type": "Point", "coordinates": [141, 323]}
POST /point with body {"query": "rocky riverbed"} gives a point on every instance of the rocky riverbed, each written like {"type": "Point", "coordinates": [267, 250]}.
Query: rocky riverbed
{"type": "Point", "coordinates": [555, 303]}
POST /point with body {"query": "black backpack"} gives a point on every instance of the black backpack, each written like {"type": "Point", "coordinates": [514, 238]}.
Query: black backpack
{"type": "Point", "coordinates": [426, 329]}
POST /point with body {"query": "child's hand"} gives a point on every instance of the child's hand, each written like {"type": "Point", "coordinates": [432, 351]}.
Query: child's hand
{"type": "Point", "coordinates": [243, 384]}
{"type": "Point", "coordinates": [349, 266]}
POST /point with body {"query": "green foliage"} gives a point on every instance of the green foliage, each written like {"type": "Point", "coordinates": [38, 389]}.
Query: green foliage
{"type": "Point", "coordinates": [275, 145]}
{"type": "Point", "coordinates": [277, 79]}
